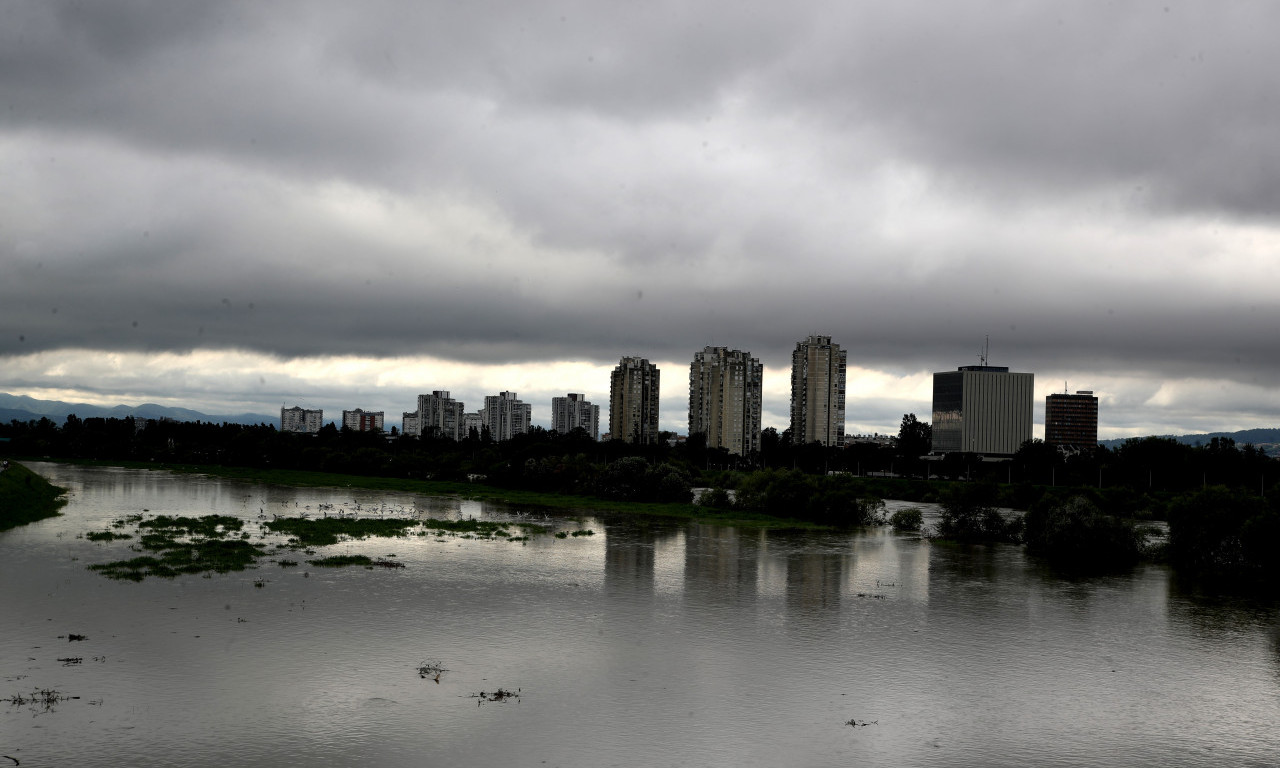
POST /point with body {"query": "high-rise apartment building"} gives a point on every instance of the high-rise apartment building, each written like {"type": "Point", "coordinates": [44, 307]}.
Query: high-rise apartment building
{"type": "Point", "coordinates": [724, 399]}
{"type": "Point", "coordinates": [1071, 421]}
{"type": "Point", "coordinates": [410, 423]}
{"type": "Point", "coordinates": [633, 401]}
{"type": "Point", "coordinates": [298, 419]}
{"type": "Point", "coordinates": [817, 392]}
{"type": "Point", "coordinates": [573, 412]}
{"type": "Point", "coordinates": [440, 415]}
{"type": "Point", "coordinates": [362, 421]}
{"type": "Point", "coordinates": [472, 421]}
{"type": "Point", "coordinates": [505, 415]}
{"type": "Point", "coordinates": [981, 409]}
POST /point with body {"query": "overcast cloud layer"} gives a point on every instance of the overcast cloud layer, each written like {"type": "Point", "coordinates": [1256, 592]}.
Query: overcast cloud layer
{"type": "Point", "coordinates": [230, 205]}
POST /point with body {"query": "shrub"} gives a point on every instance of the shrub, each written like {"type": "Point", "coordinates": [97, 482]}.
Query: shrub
{"type": "Point", "coordinates": [907, 519]}
{"type": "Point", "coordinates": [969, 515]}
{"type": "Point", "coordinates": [1219, 533]}
{"type": "Point", "coordinates": [1075, 535]}
{"type": "Point", "coordinates": [715, 498]}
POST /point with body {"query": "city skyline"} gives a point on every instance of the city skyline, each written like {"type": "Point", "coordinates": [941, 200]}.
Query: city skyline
{"type": "Point", "coordinates": [231, 209]}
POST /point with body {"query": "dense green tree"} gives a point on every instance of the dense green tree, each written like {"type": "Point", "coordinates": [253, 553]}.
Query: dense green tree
{"type": "Point", "coordinates": [969, 514]}
{"type": "Point", "coordinates": [1074, 534]}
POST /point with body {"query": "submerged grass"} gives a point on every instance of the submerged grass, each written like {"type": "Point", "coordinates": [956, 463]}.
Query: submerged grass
{"type": "Point", "coordinates": [341, 561]}
{"type": "Point", "coordinates": [179, 545]}
{"type": "Point", "coordinates": [106, 536]}
{"type": "Point", "coordinates": [327, 530]}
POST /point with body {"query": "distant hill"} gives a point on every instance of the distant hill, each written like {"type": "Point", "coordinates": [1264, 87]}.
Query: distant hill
{"type": "Point", "coordinates": [25, 408]}
{"type": "Point", "coordinates": [1267, 439]}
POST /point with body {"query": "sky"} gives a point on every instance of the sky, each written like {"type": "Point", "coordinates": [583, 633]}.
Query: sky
{"type": "Point", "coordinates": [236, 206]}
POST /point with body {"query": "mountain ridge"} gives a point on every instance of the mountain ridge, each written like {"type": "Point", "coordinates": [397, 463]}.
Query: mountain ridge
{"type": "Point", "coordinates": [1258, 436]}
{"type": "Point", "coordinates": [25, 408]}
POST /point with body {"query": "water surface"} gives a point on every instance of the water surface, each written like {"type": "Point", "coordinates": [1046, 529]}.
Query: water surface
{"type": "Point", "coordinates": [645, 644]}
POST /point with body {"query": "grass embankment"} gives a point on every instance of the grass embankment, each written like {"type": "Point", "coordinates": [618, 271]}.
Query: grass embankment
{"type": "Point", "coordinates": [480, 492]}
{"type": "Point", "coordinates": [26, 497]}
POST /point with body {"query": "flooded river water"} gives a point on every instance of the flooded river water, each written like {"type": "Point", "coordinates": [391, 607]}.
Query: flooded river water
{"type": "Point", "coordinates": [645, 644]}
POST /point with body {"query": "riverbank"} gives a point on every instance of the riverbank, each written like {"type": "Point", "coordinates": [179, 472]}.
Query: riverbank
{"type": "Point", "coordinates": [476, 491]}
{"type": "Point", "coordinates": [26, 497]}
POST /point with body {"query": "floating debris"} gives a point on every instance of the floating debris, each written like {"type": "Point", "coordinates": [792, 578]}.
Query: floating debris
{"type": "Point", "coordinates": [39, 700]}
{"type": "Point", "coordinates": [431, 669]}
{"type": "Point", "coordinates": [72, 637]}
{"type": "Point", "coordinates": [501, 694]}
{"type": "Point", "coordinates": [72, 661]}
{"type": "Point", "coordinates": [855, 723]}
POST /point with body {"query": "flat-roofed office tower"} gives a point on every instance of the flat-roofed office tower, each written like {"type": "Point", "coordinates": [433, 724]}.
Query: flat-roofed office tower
{"type": "Point", "coordinates": [1071, 421]}
{"type": "Point", "coordinates": [724, 399]}
{"type": "Point", "coordinates": [981, 409]}
{"type": "Point", "coordinates": [633, 401]}
{"type": "Point", "coordinates": [817, 392]}
{"type": "Point", "coordinates": [572, 412]}
{"type": "Point", "coordinates": [505, 415]}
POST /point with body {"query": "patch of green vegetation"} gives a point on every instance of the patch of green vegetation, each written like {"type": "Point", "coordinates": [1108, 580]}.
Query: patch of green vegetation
{"type": "Point", "coordinates": [327, 530]}
{"type": "Point", "coordinates": [181, 545]}
{"type": "Point", "coordinates": [481, 528]}
{"type": "Point", "coordinates": [208, 525]}
{"type": "Point", "coordinates": [341, 561]}
{"type": "Point", "coordinates": [106, 536]}
{"type": "Point", "coordinates": [26, 497]}
{"type": "Point", "coordinates": [586, 532]}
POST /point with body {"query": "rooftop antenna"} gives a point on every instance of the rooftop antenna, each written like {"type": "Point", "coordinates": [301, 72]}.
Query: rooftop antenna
{"type": "Point", "coordinates": [985, 347]}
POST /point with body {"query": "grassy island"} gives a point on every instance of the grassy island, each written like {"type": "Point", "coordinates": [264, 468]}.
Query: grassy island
{"type": "Point", "coordinates": [26, 497]}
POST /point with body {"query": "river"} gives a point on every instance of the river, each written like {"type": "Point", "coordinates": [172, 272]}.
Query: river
{"type": "Point", "coordinates": [645, 644]}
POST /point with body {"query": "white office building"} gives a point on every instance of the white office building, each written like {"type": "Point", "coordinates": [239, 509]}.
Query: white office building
{"type": "Point", "coordinates": [982, 409]}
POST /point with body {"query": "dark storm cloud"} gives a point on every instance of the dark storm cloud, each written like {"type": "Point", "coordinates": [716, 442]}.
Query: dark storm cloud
{"type": "Point", "coordinates": [1169, 97]}
{"type": "Point", "coordinates": [1091, 185]}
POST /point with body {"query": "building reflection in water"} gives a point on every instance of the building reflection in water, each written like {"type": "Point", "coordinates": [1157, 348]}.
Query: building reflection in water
{"type": "Point", "coordinates": [815, 583]}
{"type": "Point", "coordinates": [628, 559]}
{"type": "Point", "coordinates": [642, 558]}
{"type": "Point", "coordinates": [720, 564]}
{"type": "Point", "coordinates": [890, 564]}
